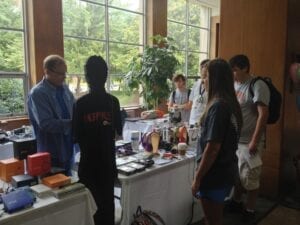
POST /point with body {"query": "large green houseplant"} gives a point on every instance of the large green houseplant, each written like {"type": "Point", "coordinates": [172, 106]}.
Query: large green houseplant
{"type": "Point", "coordinates": [151, 71]}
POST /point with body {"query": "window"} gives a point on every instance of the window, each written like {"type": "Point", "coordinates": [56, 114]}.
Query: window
{"type": "Point", "coordinates": [189, 26]}
{"type": "Point", "coordinates": [113, 29]}
{"type": "Point", "coordinates": [13, 60]}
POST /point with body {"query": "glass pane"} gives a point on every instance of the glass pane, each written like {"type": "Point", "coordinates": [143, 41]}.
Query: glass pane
{"type": "Point", "coordinates": [11, 96]}
{"type": "Point", "coordinates": [177, 10]}
{"type": "Point", "coordinates": [83, 19]}
{"type": "Point", "coordinates": [180, 56]}
{"type": "Point", "coordinates": [12, 51]}
{"type": "Point", "coordinates": [77, 51]}
{"type": "Point", "coordinates": [120, 56]}
{"type": "Point", "coordinates": [77, 84]}
{"type": "Point", "coordinates": [11, 14]}
{"type": "Point", "coordinates": [203, 56]}
{"type": "Point", "coordinates": [117, 89]}
{"type": "Point", "coordinates": [125, 26]}
{"type": "Point", "coordinates": [204, 17]}
{"type": "Point", "coordinates": [193, 63]}
{"type": "Point", "coordinates": [177, 32]}
{"type": "Point", "coordinates": [194, 39]}
{"type": "Point", "coordinates": [203, 40]}
{"type": "Point", "coordinates": [194, 13]}
{"type": "Point", "coordinates": [133, 5]}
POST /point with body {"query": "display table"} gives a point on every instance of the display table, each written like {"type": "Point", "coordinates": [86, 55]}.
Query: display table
{"type": "Point", "coordinates": [75, 209]}
{"type": "Point", "coordinates": [164, 189]}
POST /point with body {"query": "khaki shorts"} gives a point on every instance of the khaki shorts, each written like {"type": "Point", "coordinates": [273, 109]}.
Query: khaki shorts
{"type": "Point", "coordinates": [249, 176]}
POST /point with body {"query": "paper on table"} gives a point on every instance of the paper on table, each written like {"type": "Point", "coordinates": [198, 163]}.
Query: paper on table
{"type": "Point", "coordinates": [161, 161]}
{"type": "Point", "coordinates": [253, 160]}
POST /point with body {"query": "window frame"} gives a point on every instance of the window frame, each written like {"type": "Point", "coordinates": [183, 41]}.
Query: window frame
{"type": "Point", "coordinates": [187, 25]}
{"type": "Point", "coordinates": [20, 75]}
{"type": "Point", "coordinates": [106, 41]}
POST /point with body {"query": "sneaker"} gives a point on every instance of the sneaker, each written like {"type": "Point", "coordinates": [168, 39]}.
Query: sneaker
{"type": "Point", "coordinates": [232, 206]}
{"type": "Point", "coordinates": [248, 217]}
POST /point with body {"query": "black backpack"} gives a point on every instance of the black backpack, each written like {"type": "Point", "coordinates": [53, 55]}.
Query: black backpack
{"type": "Point", "coordinates": [275, 99]}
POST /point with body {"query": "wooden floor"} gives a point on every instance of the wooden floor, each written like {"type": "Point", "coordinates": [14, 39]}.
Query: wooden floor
{"type": "Point", "coordinates": [282, 216]}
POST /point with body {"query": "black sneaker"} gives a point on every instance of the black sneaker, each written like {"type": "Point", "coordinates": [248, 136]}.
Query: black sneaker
{"type": "Point", "coordinates": [232, 206]}
{"type": "Point", "coordinates": [248, 217]}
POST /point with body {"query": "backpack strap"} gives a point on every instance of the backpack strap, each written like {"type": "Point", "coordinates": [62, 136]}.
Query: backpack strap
{"type": "Point", "coordinates": [173, 96]}
{"type": "Point", "coordinates": [174, 92]}
{"type": "Point", "coordinates": [154, 215]}
{"type": "Point", "coordinates": [252, 82]}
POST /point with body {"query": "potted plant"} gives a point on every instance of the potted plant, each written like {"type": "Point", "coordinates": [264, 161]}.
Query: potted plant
{"type": "Point", "coordinates": [151, 71]}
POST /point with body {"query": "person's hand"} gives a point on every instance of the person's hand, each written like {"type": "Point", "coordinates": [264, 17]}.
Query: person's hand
{"type": "Point", "coordinates": [195, 187]}
{"type": "Point", "coordinates": [175, 106]}
{"type": "Point", "coordinates": [252, 148]}
{"type": "Point", "coordinates": [186, 106]}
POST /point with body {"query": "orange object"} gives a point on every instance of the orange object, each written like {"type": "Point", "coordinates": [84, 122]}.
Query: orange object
{"type": "Point", "coordinates": [159, 113]}
{"type": "Point", "coordinates": [56, 180]}
{"type": "Point", "coordinates": [39, 163]}
{"type": "Point", "coordinates": [11, 167]}
{"type": "Point", "coordinates": [182, 134]}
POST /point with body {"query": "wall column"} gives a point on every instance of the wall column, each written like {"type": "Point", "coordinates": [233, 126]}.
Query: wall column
{"type": "Point", "coordinates": [45, 28]}
{"type": "Point", "coordinates": [156, 18]}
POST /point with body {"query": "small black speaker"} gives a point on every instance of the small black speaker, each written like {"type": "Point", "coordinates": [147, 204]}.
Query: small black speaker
{"type": "Point", "coordinates": [24, 147]}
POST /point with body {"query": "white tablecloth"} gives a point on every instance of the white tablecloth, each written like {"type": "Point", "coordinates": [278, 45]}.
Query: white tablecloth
{"type": "Point", "coordinates": [164, 189]}
{"type": "Point", "coordinates": [75, 209]}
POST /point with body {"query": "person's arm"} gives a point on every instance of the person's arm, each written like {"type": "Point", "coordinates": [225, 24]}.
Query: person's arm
{"type": "Point", "coordinates": [261, 98]}
{"type": "Point", "coordinates": [43, 111]}
{"type": "Point", "coordinates": [189, 105]}
{"type": "Point", "coordinates": [208, 158]}
{"type": "Point", "coordinates": [75, 125]}
{"type": "Point", "coordinates": [263, 113]}
{"type": "Point", "coordinates": [118, 119]}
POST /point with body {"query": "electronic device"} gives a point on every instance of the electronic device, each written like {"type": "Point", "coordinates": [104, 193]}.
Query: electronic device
{"type": "Point", "coordinates": [69, 189]}
{"type": "Point", "coordinates": [23, 180]}
{"type": "Point", "coordinates": [56, 180]}
{"type": "Point", "coordinates": [124, 160]}
{"type": "Point", "coordinates": [41, 190]}
{"type": "Point", "coordinates": [126, 170]}
{"type": "Point", "coordinates": [17, 200]}
{"type": "Point", "coordinates": [39, 163]}
{"type": "Point", "coordinates": [139, 167]}
{"type": "Point", "coordinates": [146, 162]}
{"type": "Point", "coordinates": [23, 147]}
{"type": "Point", "coordinates": [10, 167]}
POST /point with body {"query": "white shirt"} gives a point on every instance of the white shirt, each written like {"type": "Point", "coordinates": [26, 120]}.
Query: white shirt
{"type": "Point", "coordinates": [199, 98]}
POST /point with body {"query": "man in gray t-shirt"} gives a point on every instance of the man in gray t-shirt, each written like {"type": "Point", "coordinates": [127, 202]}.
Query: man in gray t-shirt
{"type": "Point", "coordinates": [178, 100]}
{"type": "Point", "coordinates": [255, 113]}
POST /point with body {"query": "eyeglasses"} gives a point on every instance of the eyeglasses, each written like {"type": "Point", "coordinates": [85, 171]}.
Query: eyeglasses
{"type": "Point", "coordinates": [59, 73]}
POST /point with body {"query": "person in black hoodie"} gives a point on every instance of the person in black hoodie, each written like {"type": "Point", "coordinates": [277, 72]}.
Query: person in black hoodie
{"type": "Point", "coordinates": [96, 124]}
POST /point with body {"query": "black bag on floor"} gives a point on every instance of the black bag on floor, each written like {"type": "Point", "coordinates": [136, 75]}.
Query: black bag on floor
{"type": "Point", "coordinates": [146, 217]}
